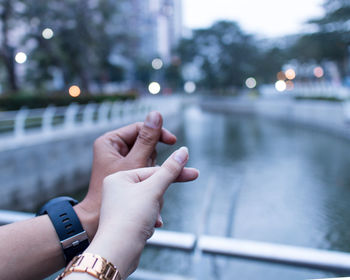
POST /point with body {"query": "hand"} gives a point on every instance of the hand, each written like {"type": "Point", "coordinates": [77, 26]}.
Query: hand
{"type": "Point", "coordinates": [131, 203]}
{"type": "Point", "coordinates": [126, 148]}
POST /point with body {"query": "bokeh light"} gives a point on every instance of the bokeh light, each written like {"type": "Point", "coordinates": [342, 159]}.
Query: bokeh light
{"type": "Point", "coordinates": [157, 63]}
{"type": "Point", "coordinates": [290, 74]}
{"type": "Point", "coordinates": [47, 33]}
{"type": "Point", "coordinates": [74, 91]}
{"type": "Point", "coordinates": [20, 57]}
{"type": "Point", "coordinates": [280, 85]}
{"type": "Point", "coordinates": [318, 72]}
{"type": "Point", "coordinates": [154, 88]}
{"type": "Point", "coordinates": [190, 87]}
{"type": "Point", "coordinates": [289, 85]}
{"type": "Point", "coordinates": [281, 76]}
{"type": "Point", "coordinates": [250, 83]}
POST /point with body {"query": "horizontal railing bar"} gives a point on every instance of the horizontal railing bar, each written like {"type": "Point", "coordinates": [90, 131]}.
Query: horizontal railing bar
{"type": "Point", "coordinates": [149, 275]}
{"type": "Point", "coordinates": [255, 250]}
{"type": "Point", "coordinates": [172, 239]}
{"type": "Point", "coordinates": [275, 253]}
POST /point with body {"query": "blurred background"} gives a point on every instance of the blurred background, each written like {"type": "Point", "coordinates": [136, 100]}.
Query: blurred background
{"type": "Point", "coordinates": [110, 47]}
{"type": "Point", "coordinates": [258, 90]}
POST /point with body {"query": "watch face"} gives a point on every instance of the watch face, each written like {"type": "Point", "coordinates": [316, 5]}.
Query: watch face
{"type": "Point", "coordinates": [43, 209]}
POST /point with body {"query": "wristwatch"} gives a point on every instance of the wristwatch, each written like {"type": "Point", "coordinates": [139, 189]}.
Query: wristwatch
{"type": "Point", "coordinates": [93, 265]}
{"type": "Point", "coordinates": [73, 238]}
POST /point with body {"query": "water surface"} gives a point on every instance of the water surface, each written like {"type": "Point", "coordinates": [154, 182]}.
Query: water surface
{"type": "Point", "coordinates": [269, 182]}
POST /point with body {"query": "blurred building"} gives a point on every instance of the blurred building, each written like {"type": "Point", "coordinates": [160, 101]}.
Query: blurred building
{"type": "Point", "coordinates": [157, 25]}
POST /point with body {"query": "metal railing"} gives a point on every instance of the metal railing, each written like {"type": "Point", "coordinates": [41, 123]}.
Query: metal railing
{"type": "Point", "coordinates": [259, 251]}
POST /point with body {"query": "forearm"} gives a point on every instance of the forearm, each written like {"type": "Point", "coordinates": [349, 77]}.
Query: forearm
{"type": "Point", "coordinates": [31, 249]}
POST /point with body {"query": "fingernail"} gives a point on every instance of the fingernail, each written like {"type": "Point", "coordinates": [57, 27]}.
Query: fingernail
{"type": "Point", "coordinates": [160, 219]}
{"type": "Point", "coordinates": [153, 120]}
{"type": "Point", "coordinates": [181, 155]}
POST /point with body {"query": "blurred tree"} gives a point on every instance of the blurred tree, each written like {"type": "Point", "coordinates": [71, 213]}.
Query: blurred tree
{"type": "Point", "coordinates": [143, 72]}
{"type": "Point", "coordinates": [269, 62]}
{"type": "Point", "coordinates": [9, 15]}
{"type": "Point", "coordinates": [85, 38]}
{"type": "Point", "coordinates": [331, 41]}
{"type": "Point", "coordinates": [172, 74]}
{"type": "Point", "coordinates": [336, 18]}
{"type": "Point", "coordinates": [226, 56]}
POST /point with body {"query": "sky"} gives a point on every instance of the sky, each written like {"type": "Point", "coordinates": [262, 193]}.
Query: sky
{"type": "Point", "coordinates": [268, 18]}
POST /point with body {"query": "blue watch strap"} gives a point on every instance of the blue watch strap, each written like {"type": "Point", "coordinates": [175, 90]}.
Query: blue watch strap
{"type": "Point", "coordinates": [73, 237]}
{"type": "Point", "coordinates": [66, 221]}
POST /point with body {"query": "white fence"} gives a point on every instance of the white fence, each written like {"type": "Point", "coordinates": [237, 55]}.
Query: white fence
{"type": "Point", "coordinates": [46, 120]}
{"type": "Point", "coordinates": [27, 125]}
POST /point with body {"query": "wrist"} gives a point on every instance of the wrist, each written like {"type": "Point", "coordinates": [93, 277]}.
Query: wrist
{"type": "Point", "coordinates": [122, 250]}
{"type": "Point", "coordinates": [88, 218]}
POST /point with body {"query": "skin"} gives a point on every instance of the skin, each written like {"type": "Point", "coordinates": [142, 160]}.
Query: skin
{"type": "Point", "coordinates": [31, 249]}
{"type": "Point", "coordinates": [131, 204]}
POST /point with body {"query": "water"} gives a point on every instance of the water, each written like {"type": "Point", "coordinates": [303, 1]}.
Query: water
{"type": "Point", "coordinates": [271, 182]}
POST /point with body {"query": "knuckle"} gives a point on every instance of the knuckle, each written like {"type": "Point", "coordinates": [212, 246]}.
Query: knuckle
{"type": "Point", "coordinates": [172, 168]}
{"type": "Point", "coordinates": [146, 137]}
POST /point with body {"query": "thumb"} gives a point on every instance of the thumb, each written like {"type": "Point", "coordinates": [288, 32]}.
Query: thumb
{"type": "Point", "coordinates": [170, 170]}
{"type": "Point", "coordinates": [147, 138]}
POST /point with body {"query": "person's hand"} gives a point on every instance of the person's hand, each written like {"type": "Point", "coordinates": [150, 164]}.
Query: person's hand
{"type": "Point", "coordinates": [126, 148]}
{"type": "Point", "coordinates": [131, 203]}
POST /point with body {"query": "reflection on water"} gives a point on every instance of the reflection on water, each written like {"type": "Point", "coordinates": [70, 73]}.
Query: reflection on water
{"type": "Point", "coordinates": [272, 182]}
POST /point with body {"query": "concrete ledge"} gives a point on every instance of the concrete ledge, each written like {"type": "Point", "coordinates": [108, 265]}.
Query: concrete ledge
{"type": "Point", "coordinates": [326, 116]}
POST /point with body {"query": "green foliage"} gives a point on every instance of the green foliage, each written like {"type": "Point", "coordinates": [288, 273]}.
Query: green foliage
{"type": "Point", "coordinates": [143, 72]}
{"type": "Point", "coordinates": [226, 56]}
{"type": "Point", "coordinates": [336, 16]}
{"type": "Point", "coordinates": [83, 41]}
{"type": "Point", "coordinates": [331, 41]}
{"type": "Point", "coordinates": [321, 45]}
{"type": "Point", "coordinates": [86, 34]}
{"type": "Point", "coordinates": [172, 75]}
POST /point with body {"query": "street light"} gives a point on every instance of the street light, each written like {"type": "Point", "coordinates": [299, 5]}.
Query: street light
{"type": "Point", "coordinates": [190, 87]}
{"type": "Point", "coordinates": [318, 72]}
{"type": "Point", "coordinates": [20, 57]}
{"type": "Point", "coordinates": [280, 85]}
{"type": "Point", "coordinates": [250, 83]}
{"type": "Point", "coordinates": [47, 33]}
{"type": "Point", "coordinates": [74, 91]}
{"type": "Point", "coordinates": [154, 88]}
{"type": "Point", "coordinates": [290, 74]}
{"type": "Point", "coordinates": [157, 64]}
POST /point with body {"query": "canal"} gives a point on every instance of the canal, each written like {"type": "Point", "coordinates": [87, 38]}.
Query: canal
{"type": "Point", "coordinates": [260, 180]}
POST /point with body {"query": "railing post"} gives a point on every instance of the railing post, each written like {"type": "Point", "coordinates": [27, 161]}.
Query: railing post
{"type": "Point", "coordinates": [88, 115]}
{"type": "Point", "coordinates": [70, 115]}
{"type": "Point", "coordinates": [47, 119]}
{"type": "Point", "coordinates": [139, 111]}
{"type": "Point", "coordinates": [103, 112]}
{"type": "Point", "coordinates": [20, 122]}
{"type": "Point", "coordinates": [116, 110]}
{"type": "Point", "coordinates": [126, 111]}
